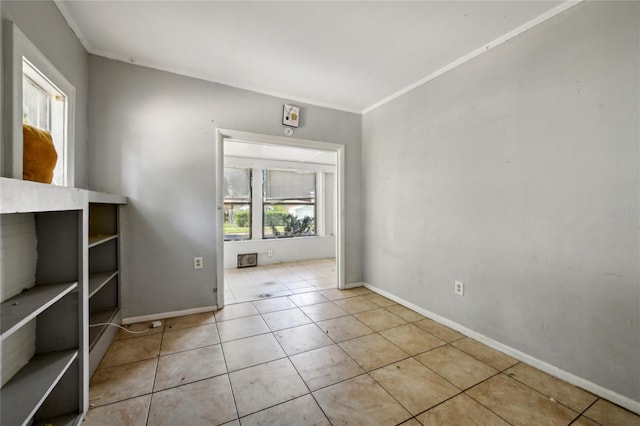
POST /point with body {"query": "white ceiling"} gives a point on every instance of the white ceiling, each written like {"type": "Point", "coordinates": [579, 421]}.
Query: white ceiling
{"type": "Point", "coordinates": [235, 148]}
{"type": "Point", "coordinates": [344, 55]}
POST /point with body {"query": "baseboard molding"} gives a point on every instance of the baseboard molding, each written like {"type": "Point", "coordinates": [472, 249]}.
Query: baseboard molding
{"type": "Point", "coordinates": [165, 315]}
{"type": "Point", "coordinates": [571, 378]}
{"type": "Point", "coordinates": [354, 285]}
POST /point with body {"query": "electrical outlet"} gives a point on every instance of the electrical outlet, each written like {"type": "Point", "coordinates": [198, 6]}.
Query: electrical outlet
{"type": "Point", "coordinates": [269, 253]}
{"type": "Point", "coordinates": [197, 262]}
{"type": "Point", "coordinates": [459, 288]}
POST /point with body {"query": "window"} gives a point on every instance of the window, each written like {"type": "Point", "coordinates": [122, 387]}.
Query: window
{"type": "Point", "coordinates": [237, 204]}
{"type": "Point", "coordinates": [289, 204]}
{"type": "Point", "coordinates": [45, 106]}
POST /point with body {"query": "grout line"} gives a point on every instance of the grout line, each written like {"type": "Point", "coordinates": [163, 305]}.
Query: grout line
{"type": "Point", "coordinates": [226, 367]}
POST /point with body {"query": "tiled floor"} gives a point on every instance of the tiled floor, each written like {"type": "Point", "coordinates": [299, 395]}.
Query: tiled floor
{"type": "Point", "coordinates": [323, 357]}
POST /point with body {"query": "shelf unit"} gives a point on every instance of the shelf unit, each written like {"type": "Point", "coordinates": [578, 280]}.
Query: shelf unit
{"type": "Point", "coordinates": [50, 385]}
{"type": "Point", "coordinates": [104, 277]}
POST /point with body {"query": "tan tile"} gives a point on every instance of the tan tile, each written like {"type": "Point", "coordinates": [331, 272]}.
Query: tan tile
{"type": "Point", "coordinates": [299, 411]}
{"type": "Point", "coordinates": [189, 338]}
{"type": "Point", "coordinates": [461, 410]}
{"type": "Point", "coordinates": [484, 353]}
{"type": "Point", "coordinates": [405, 313]}
{"type": "Point", "coordinates": [122, 382]}
{"type": "Point", "coordinates": [415, 386]}
{"type": "Point", "coordinates": [275, 304]}
{"type": "Point", "coordinates": [442, 332]}
{"type": "Point", "coordinates": [361, 291]}
{"type": "Point", "coordinates": [411, 339]}
{"type": "Point", "coordinates": [265, 385]}
{"type": "Point", "coordinates": [303, 290]}
{"type": "Point", "coordinates": [380, 319]}
{"type": "Point", "coordinates": [335, 294]}
{"type": "Point", "coordinates": [360, 401]}
{"type": "Point", "coordinates": [188, 366]}
{"type": "Point", "coordinates": [456, 366]}
{"type": "Point", "coordinates": [584, 421]}
{"type": "Point", "coordinates": [305, 299]}
{"type": "Point", "coordinates": [373, 351]}
{"type": "Point", "coordinates": [285, 319]}
{"type": "Point", "coordinates": [294, 285]}
{"type": "Point", "coordinates": [130, 412]}
{"type": "Point", "coordinates": [302, 339]}
{"type": "Point", "coordinates": [190, 320]}
{"type": "Point", "coordinates": [139, 329]}
{"type": "Point", "coordinates": [357, 304]}
{"type": "Point", "coordinates": [411, 422]}
{"type": "Point", "coordinates": [569, 395]}
{"type": "Point", "coordinates": [131, 350]}
{"type": "Point", "coordinates": [344, 328]}
{"type": "Point", "coordinates": [519, 404]}
{"type": "Point", "coordinates": [242, 327]}
{"type": "Point", "coordinates": [379, 300]}
{"type": "Point", "coordinates": [323, 311]}
{"type": "Point", "coordinates": [201, 403]}
{"type": "Point", "coordinates": [251, 351]}
{"type": "Point", "coordinates": [325, 366]}
{"type": "Point", "coordinates": [608, 414]}
{"type": "Point", "coordinates": [233, 423]}
{"type": "Point", "coordinates": [234, 311]}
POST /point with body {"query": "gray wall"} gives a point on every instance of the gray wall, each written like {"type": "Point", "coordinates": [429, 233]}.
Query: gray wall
{"type": "Point", "coordinates": [517, 173]}
{"type": "Point", "coordinates": [44, 25]}
{"type": "Point", "coordinates": [152, 139]}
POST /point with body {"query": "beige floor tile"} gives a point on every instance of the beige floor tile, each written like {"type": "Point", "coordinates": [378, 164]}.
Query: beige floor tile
{"type": "Point", "coordinates": [411, 422]}
{"type": "Point", "coordinates": [122, 382]}
{"type": "Point", "coordinates": [188, 366]}
{"type": "Point", "coordinates": [584, 421]}
{"type": "Point", "coordinates": [484, 353]}
{"type": "Point", "coordinates": [139, 329]}
{"type": "Point", "coordinates": [302, 339]}
{"type": "Point", "coordinates": [519, 404]}
{"type": "Point", "coordinates": [285, 319]}
{"type": "Point", "coordinates": [325, 366]}
{"type": "Point", "coordinates": [379, 300]}
{"type": "Point", "coordinates": [456, 366]}
{"type": "Point", "coordinates": [442, 332]}
{"type": "Point", "coordinates": [569, 395]}
{"type": "Point", "coordinates": [234, 311]}
{"type": "Point", "coordinates": [380, 319]}
{"type": "Point", "coordinates": [265, 385]}
{"type": "Point", "coordinates": [323, 311]}
{"type": "Point", "coordinates": [131, 350]}
{"type": "Point", "coordinates": [300, 411]}
{"type": "Point", "coordinates": [242, 327]}
{"type": "Point", "coordinates": [305, 299]}
{"type": "Point", "coordinates": [460, 410]}
{"type": "Point", "coordinates": [344, 328]}
{"type": "Point", "coordinates": [411, 339]}
{"type": "Point", "coordinates": [373, 351]}
{"type": "Point", "coordinates": [304, 290]}
{"type": "Point", "coordinates": [233, 423]}
{"type": "Point", "coordinates": [415, 386]}
{"type": "Point", "coordinates": [275, 304]}
{"type": "Point", "coordinates": [251, 351]}
{"type": "Point", "coordinates": [361, 291]}
{"type": "Point", "coordinates": [190, 320]}
{"type": "Point", "coordinates": [132, 412]}
{"type": "Point", "coordinates": [405, 313]}
{"type": "Point", "coordinates": [608, 414]}
{"type": "Point", "coordinates": [360, 401]}
{"type": "Point", "coordinates": [207, 402]}
{"type": "Point", "coordinates": [294, 285]}
{"type": "Point", "coordinates": [189, 338]}
{"type": "Point", "coordinates": [357, 304]}
{"type": "Point", "coordinates": [335, 294]}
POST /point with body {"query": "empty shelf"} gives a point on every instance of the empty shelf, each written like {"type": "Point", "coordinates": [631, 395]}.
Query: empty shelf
{"type": "Point", "coordinates": [96, 240]}
{"type": "Point", "coordinates": [99, 317]}
{"type": "Point", "coordinates": [97, 280]}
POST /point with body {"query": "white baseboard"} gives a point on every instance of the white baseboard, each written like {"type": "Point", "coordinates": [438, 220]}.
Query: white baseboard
{"type": "Point", "coordinates": [354, 285]}
{"type": "Point", "coordinates": [594, 388]}
{"type": "Point", "coordinates": [165, 315]}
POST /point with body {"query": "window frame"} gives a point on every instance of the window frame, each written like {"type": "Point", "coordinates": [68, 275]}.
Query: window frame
{"type": "Point", "coordinates": [250, 203]}
{"type": "Point", "coordinates": [17, 47]}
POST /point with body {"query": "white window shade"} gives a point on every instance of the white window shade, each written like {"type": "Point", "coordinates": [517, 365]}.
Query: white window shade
{"type": "Point", "coordinates": [281, 185]}
{"type": "Point", "coordinates": [237, 183]}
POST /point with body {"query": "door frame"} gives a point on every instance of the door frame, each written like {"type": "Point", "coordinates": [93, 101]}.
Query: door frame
{"type": "Point", "coordinates": [258, 138]}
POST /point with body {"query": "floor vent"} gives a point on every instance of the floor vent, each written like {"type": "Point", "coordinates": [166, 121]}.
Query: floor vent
{"type": "Point", "coordinates": [247, 260]}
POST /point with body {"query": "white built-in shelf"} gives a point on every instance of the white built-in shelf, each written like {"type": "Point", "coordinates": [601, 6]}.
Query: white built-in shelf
{"type": "Point", "coordinates": [96, 240]}
{"type": "Point", "coordinates": [24, 307]}
{"type": "Point", "coordinates": [97, 280]}
{"type": "Point", "coordinates": [28, 389]}
{"type": "Point", "coordinates": [100, 317]}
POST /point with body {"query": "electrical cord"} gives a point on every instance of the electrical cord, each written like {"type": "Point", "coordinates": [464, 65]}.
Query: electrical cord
{"type": "Point", "coordinates": [116, 325]}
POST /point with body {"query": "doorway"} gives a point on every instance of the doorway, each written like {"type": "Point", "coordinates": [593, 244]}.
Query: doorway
{"type": "Point", "coordinates": [260, 234]}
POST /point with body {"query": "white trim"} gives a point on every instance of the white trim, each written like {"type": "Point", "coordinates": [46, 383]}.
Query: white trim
{"type": "Point", "coordinates": [171, 314]}
{"type": "Point", "coordinates": [571, 378]}
{"type": "Point", "coordinates": [500, 40]}
{"type": "Point", "coordinates": [260, 163]}
{"type": "Point", "coordinates": [355, 285]}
